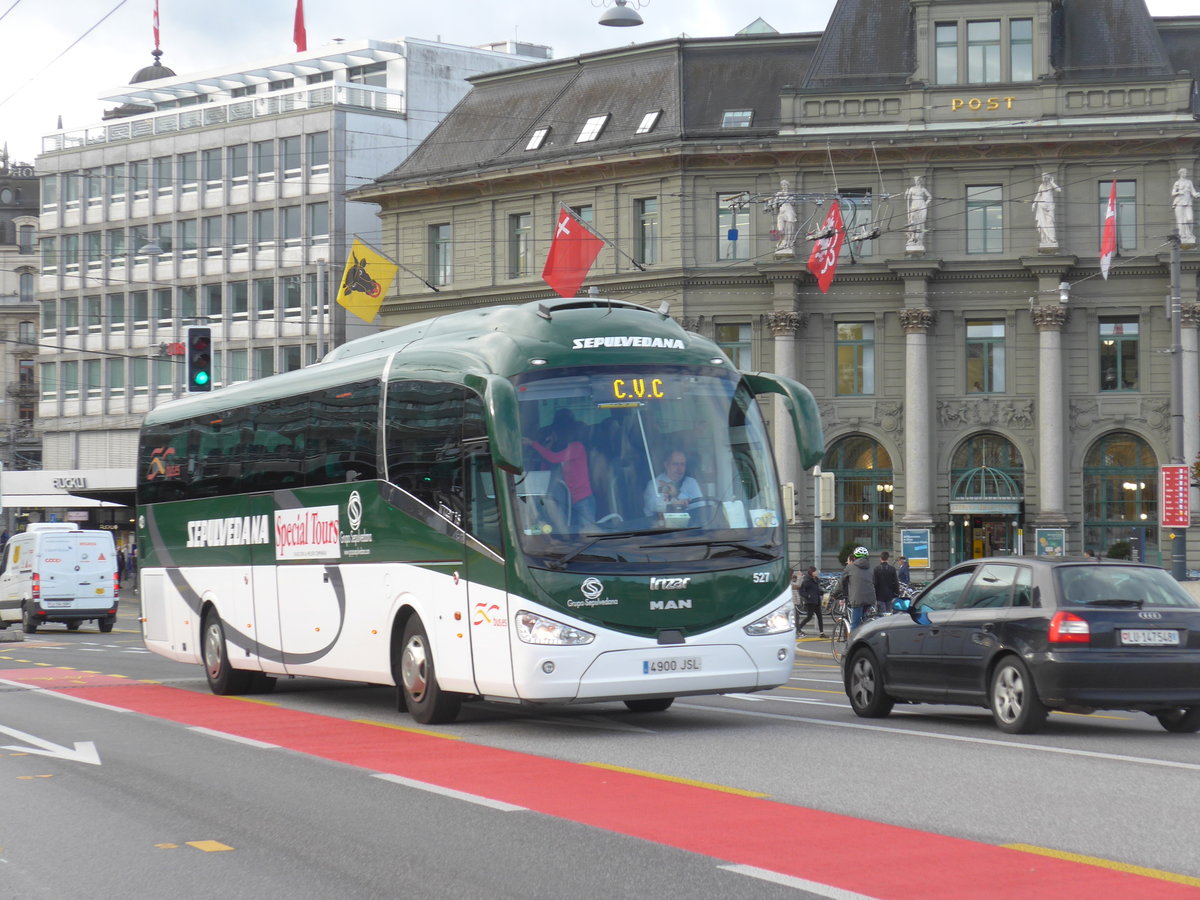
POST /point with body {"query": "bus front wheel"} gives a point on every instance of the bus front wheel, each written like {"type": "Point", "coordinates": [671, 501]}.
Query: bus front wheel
{"type": "Point", "coordinates": [222, 677]}
{"type": "Point", "coordinates": [416, 679]}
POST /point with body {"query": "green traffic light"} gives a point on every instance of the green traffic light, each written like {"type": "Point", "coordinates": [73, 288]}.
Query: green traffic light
{"type": "Point", "coordinates": [201, 378]}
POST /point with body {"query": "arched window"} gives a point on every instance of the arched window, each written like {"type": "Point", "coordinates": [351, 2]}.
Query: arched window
{"type": "Point", "coordinates": [1120, 496]}
{"type": "Point", "coordinates": [987, 488]}
{"type": "Point", "coordinates": [25, 294]}
{"type": "Point", "coordinates": [863, 509]}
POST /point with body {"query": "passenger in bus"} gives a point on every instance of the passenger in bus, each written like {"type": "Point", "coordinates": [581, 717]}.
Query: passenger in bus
{"type": "Point", "coordinates": [569, 453]}
{"type": "Point", "coordinates": [673, 489]}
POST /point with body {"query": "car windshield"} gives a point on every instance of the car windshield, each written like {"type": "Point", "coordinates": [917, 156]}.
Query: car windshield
{"type": "Point", "coordinates": [1120, 586]}
{"type": "Point", "coordinates": [644, 463]}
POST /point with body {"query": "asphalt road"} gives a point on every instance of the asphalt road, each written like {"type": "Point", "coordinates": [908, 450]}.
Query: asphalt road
{"type": "Point", "coordinates": [322, 789]}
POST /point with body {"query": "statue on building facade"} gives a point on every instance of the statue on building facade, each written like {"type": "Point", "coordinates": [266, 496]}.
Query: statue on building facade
{"type": "Point", "coordinates": [1044, 203]}
{"type": "Point", "coordinates": [917, 198]}
{"type": "Point", "coordinates": [785, 219]}
{"type": "Point", "coordinates": [1183, 198]}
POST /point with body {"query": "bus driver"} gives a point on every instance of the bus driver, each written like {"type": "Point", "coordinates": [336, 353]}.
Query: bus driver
{"type": "Point", "coordinates": [673, 489]}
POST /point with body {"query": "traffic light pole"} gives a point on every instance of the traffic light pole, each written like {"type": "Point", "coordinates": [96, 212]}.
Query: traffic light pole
{"type": "Point", "coordinates": [1179, 544]}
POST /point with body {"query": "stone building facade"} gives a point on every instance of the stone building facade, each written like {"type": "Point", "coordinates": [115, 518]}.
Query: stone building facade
{"type": "Point", "coordinates": [980, 381]}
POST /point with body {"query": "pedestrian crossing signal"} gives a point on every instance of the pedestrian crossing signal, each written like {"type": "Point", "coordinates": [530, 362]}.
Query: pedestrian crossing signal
{"type": "Point", "coordinates": [199, 358]}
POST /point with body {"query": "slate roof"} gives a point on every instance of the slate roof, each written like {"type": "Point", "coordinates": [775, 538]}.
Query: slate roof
{"type": "Point", "coordinates": [867, 42]}
{"type": "Point", "coordinates": [1110, 39]}
{"type": "Point", "coordinates": [490, 128]}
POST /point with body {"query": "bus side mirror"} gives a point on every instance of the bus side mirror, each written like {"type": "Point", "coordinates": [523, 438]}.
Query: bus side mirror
{"type": "Point", "coordinates": [802, 406]}
{"type": "Point", "coordinates": [503, 423]}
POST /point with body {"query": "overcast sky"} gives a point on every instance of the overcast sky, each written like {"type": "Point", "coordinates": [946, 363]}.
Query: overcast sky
{"type": "Point", "coordinates": [200, 35]}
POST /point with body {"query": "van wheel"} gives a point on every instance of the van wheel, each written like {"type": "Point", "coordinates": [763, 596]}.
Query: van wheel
{"type": "Point", "coordinates": [105, 624]}
{"type": "Point", "coordinates": [222, 677]}
{"type": "Point", "coordinates": [416, 679]}
{"type": "Point", "coordinates": [28, 620]}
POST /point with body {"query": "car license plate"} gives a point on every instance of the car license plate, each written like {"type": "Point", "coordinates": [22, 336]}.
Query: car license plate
{"type": "Point", "coordinates": [1150, 637]}
{"type": "Point", "coordinates": [680, 664]}
{"type": "Point", "coordinates": [56, 604]}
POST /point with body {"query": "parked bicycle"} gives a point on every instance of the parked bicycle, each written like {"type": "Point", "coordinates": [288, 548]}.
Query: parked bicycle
{"type": "Point", "coordinates": [840, 611]}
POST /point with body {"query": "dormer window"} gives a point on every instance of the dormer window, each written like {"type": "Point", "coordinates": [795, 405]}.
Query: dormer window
{"type": "Point", "coordinates": [537, 138]}
{"type": "Point", "coordinates": [592, 128]}
{"type": "Point", "coordinates": [985, 51]}
{"type": "Point", "coordinates": [649, 120]}
{"type": "Point", "coordinates": [737, 118]}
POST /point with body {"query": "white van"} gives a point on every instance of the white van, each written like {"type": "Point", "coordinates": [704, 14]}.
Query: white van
{"type": "Point", "coordinates": [59, 573]}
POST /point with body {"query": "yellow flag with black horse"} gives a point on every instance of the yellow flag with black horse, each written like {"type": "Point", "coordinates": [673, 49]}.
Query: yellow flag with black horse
{"type": "Point", "coordinates": [365, 280]}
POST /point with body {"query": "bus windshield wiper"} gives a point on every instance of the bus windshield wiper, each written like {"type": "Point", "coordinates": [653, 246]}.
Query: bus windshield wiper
{"type": "Point", "coordinates": [750, 549]}
{"type": "Point", "coordinates": [592, 541]}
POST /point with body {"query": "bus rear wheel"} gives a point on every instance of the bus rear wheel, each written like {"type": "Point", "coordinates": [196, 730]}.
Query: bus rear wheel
{"type": "Point", "coordinates": [416, 679]}
{"type": "Point", "coordinates": [222, 677]}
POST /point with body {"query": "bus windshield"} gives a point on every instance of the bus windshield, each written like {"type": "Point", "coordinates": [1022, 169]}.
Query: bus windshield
{"type": "Point", "coordinates": [644, 463]}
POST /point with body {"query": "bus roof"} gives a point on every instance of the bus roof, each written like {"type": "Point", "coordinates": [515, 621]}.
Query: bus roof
{"type": "Point", "coordinates": [497, 340]}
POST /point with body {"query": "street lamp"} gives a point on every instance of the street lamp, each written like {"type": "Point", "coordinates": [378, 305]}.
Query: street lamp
{"type": "Point", "coordinates": [621, 14]}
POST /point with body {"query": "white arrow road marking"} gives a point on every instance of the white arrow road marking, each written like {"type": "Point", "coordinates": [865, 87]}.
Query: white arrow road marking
{"type": "Point", "coordinates": [85, 751]}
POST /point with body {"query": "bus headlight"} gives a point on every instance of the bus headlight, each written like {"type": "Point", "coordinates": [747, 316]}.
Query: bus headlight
{"type": "Point", "coordinates": [535, 629]}
{"type": "Point", "coordinates": [777, 621]}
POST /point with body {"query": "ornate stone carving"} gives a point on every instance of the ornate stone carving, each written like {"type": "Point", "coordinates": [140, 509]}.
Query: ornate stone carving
{"type": "Point", "coordinates": [1049, 318]}
{"type": "Point", "coordinates": [786, 323]}
{"type": "Point", "coordinates": [691, 323]}
{"type": "Point", "coordinates": [987, 411]}
{"type": "Point", "coordinates": [916, 319]}
{"type": "Point", "coordinates": [1154, 414]}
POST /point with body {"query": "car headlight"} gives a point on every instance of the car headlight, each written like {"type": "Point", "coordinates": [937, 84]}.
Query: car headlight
{"type": "Point", "coordinates": [535, 629]}
{"type": "Point", "coordinates": [777, 621]}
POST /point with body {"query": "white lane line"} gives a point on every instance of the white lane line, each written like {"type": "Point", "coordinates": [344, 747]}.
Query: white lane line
{"type": "Point", "coordinates": [236, 738]}
{"type": "Point", "coordinates": [54, 692]}
{"type": "Point", "coordinates": [800, 884]}
{"type": "Point", "coordinates": [449, 792]}
{"type": "Point", "coordinates": [956, 738]}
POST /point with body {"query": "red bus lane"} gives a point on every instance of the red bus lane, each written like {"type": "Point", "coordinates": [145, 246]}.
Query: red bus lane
{"type": "Point", "coordinates": [740, 830]}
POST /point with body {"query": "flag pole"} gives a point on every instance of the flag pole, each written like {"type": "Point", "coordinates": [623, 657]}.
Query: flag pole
{"type": "Point", "coordinates": [602, 237]}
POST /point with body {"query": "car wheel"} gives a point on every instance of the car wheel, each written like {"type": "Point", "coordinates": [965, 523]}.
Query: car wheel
{"type": "Point", "coordinates": [1185, 720]}
{"type": "Point", "coordinates": [223, 678]}
{"type": "Point", "coordinates": [106, 624]}
{"type": "Point", "coordinates": [657, 704]}
{"type": "Point", "coordinates": [1016, 707]}
{"type": "Point", "coordinates": [426, 702]}
{"type": "Point", "coordinates": [864, 686]}
{"type": "Point", "coordinates": [29, 623]}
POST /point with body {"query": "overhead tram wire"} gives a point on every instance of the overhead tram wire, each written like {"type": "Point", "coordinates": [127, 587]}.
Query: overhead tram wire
{"type": "Point", "coordinates": [15, 4]}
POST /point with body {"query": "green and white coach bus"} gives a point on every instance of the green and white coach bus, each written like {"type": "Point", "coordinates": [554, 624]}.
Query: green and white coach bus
{"type": "Point", "coordinates": [549, 503]}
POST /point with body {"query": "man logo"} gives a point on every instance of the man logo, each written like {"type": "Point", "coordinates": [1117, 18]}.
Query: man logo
{"type": "Point", "coordinates": [592, 588]}
{"type": "Point", "coordinates": [354, 511]}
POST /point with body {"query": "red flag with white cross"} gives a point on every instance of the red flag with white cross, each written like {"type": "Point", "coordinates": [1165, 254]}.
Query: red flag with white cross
{"type": "Point", "coordinates": [572, 252]}
{"type": "Point", "coordinates": [824, 258]}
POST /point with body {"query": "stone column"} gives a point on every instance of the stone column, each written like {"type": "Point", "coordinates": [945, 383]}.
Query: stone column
{"type": "Point", "coordinates": [784, 325]}
{"type": "Point", "coordinates": [1051, 414]}
{"type": "Point", "coordinates": [918, 427]}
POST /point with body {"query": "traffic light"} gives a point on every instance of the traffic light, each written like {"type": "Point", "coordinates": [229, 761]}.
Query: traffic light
{"type": "Point", "coordinates": [199, 358]}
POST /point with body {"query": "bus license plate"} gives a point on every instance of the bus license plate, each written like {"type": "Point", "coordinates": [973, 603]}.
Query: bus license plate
{"type": "Point", "coordinates": [1149, 637]}
{"type": "Point", "coordinates": [679, 664]}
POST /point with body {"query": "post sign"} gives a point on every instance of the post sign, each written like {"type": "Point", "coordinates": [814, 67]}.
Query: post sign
{"type": "Point", "coordinates": [1051, 542]}
{"type": "Point", "coordinates": [914, 544]}
{"type": "Point", "coordinates": [1174, 488]}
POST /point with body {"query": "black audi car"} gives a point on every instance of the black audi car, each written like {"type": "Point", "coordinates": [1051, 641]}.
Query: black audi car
{"type": "Point", "coordinates": [1023, 636]}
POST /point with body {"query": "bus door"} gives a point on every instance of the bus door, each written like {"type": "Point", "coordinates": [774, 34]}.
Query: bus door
{"type": "Point", "coordinates": [266, 595]}
{"type": "Point", "coordinates": [487, 587]}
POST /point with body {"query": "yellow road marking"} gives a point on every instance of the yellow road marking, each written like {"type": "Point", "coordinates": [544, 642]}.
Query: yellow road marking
{"type": "Point", "coordinates": [31, 777]}
{"type": "Point", "coordinates": [1107, 864]}
{"type": "Point", "coordinates": [1091, 715]}
{"type": "Point", "coordinates": [209, 846]}
{"type": "Point", "coordinates": [437, 734]}
{"type": "Point", "coordinates": [676, 780]}
{"type": "Point", "coordinates": [167, 846]}
{"type": "Point", "coordinates": [254, 700]}
{"type": "Point", "coordinates": [787, 687]}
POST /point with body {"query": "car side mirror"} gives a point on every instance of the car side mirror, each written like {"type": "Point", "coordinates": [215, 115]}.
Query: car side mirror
{"type": "Point", "coordinates": [917, 613]}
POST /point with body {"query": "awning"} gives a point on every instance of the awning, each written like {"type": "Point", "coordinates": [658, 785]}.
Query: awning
{"type": "Point", "coordinates": [51, 501]}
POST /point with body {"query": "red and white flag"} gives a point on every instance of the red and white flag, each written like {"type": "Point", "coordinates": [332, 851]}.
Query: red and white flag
{"type": "Point", "coordinates": [1108, 237]}
{"type": "Point", "coordinates": [155, 24]}
{"type": "Point", "coordinates": [572, 252]}
{"type": "Point", "coordinates": [299, 35]}
{"type": "Point", "coordinates": [823, 260]}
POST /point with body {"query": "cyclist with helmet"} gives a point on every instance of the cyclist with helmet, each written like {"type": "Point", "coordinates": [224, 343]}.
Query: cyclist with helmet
{"type": "Point", "coordinates": [858, 584]}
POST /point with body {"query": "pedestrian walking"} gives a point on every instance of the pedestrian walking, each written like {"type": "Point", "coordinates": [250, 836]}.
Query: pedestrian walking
{"type": "Point", "coordinates": [902, 570]}
{"type": "Point", "coordinates": [858, 585]}
{"type": "Point", "coordinates": [809, 593]}
{"type": "Point", "coordinates": [887, 583]}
